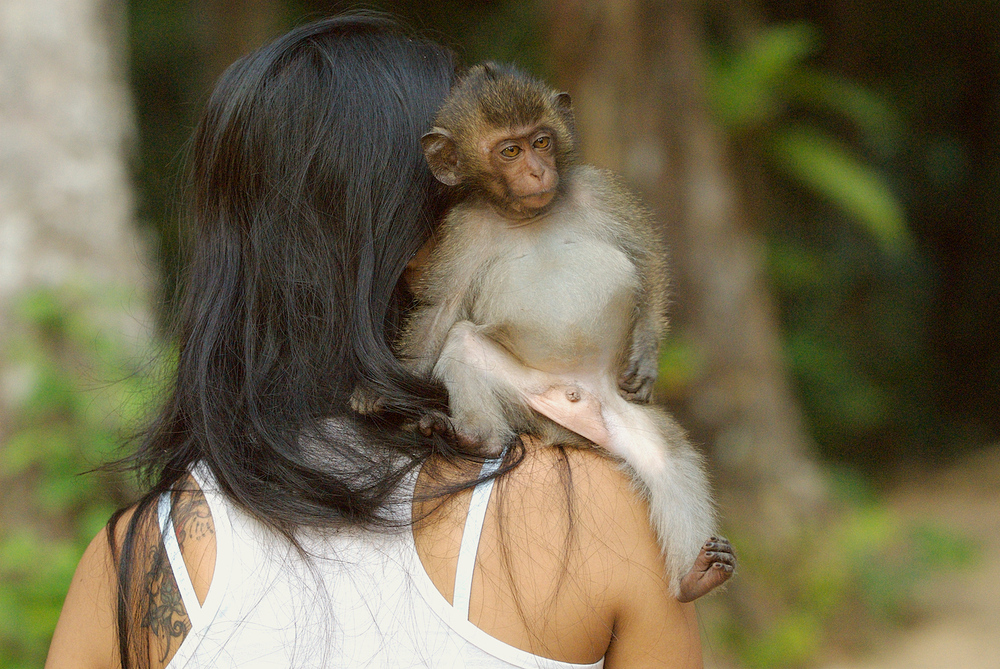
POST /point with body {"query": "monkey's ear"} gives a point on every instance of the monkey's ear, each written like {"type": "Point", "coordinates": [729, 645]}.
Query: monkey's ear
{"type": "Point", "coordinates": [442, 156]}
{"type": "Point", "coordinates": [564, 107]}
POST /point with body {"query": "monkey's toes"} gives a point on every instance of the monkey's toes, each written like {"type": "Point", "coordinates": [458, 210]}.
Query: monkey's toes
{"type": "Point", "coordinates": [434, 422]}
{"type": "Point", "coordinates": [715, 564]}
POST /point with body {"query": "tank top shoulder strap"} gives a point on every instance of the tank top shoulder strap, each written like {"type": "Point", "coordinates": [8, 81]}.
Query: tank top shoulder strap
{"type": "Point", "coordinates": [470, 539]}
{"type": "Point", "coordinates": [173, 551]}
{"type": "Point", "coordinates": [198, 613]}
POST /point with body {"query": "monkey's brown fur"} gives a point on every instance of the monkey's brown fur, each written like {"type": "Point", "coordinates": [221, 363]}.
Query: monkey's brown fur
{"type": "Point", "coordinates": [546, 293]}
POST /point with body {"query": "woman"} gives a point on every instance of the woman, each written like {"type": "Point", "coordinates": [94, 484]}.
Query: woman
{"type": "Point", "coordinates": [295, 532]}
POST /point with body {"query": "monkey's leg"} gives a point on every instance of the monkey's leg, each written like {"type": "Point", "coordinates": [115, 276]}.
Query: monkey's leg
{"type": "Point", "coordinates": [482, 379]}
{"type": "Point", "coordinates": [487, 384]}
{"type": "Point", "coordinates": [667, 468]}
{"type": "Point", "coordinates": [572, 406]}
{"type": "Point", "coordinates": [491, 392]}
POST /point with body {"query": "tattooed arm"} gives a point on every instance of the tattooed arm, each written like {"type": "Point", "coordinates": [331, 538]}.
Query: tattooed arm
{"type": "Point", "coordinates": [85, 636]}
{"type": "Point", "coordinates": [165, 617]}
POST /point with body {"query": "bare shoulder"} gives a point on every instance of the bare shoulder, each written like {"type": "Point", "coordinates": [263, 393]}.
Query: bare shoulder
{"type": "Point", "coordinates": [603, 503]}
{"type": "Point", "coordinates": [86, 634]}
{"type": "Point", "coordinates": [613, 555]}
{"type": "Point", "coordinates": [584, 472]}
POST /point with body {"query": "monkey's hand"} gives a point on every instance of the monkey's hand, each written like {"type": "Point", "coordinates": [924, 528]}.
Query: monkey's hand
{"type": "Point", "coordinates": [714, 565]}
{"type": "Point", "coordinates": [637, 379]}
{"type": "Point", "coordinates": [365, 401]}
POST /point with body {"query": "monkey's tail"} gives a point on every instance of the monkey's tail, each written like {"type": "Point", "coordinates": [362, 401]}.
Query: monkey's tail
{"type": "Point", "coordinates": [671, 473]}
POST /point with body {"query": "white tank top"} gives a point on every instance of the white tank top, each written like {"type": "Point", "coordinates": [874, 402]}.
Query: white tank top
{"type": "Point", "coordinates": [361, 598]}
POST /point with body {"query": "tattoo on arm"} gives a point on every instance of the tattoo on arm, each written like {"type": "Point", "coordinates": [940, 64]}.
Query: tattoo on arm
{"type": "Point", "coordinates": [192, 517]}
{"type": "Point", "coordinates": [165, 617]}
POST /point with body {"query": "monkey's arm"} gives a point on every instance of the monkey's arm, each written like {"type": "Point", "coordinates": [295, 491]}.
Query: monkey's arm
{"type": "Point", "coordinates": [426, 333]}
{"type": "Point", "coordinates": [642, 364]}
{"type": "Point", "coordinates": [447, 278]}
{"type": "Point", "coordinates": [630, 226]}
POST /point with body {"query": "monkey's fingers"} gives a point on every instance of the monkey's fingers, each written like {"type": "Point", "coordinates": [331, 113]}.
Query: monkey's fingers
{"type": "Point", "coordinates": [634, 386]}
{"type": "Point", "coordinates": [366, 402]}
{"type": "Point", "coordinates": [431, 423]}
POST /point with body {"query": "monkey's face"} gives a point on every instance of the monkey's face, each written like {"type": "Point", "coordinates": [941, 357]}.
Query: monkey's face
{"type": "Point", "coordinates": [522, 162]}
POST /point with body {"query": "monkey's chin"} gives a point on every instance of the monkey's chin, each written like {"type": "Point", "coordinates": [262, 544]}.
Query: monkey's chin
{"type": "Point", "coordinates": [536, 203]}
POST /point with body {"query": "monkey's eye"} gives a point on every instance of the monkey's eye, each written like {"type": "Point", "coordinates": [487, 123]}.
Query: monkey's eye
{"type": "Point", "coordinates": [543, 142]}
{"type": "Point", "coordinates": [511, 151]}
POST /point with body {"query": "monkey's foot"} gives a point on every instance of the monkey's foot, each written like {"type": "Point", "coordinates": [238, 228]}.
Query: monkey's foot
{"type": "Point", "coordinates": [573, 408]}
{"type": "Point", "coordinates": [487, 438]}
{"type": "Point", "coordinates": [715, 564]}
{"type": "Point", "coordinates": [431, 423]}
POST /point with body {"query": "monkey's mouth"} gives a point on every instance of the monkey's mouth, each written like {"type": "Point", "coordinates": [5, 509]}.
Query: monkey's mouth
{"type": "Point", "coordinates": [537, 201]}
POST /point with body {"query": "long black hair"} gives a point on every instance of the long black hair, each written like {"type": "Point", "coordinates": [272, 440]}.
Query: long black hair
{"type": "Point", "coordinates": [310, 195]}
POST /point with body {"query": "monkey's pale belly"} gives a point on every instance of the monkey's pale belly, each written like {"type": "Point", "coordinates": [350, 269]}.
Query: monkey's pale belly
{"type": "Point", "coordinates": [572, 304]}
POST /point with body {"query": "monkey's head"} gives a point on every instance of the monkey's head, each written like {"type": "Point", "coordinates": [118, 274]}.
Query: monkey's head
{"type": "Point", "coordinates": [504, 135]}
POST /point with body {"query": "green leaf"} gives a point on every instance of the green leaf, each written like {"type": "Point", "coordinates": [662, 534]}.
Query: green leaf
{"type": "Point", "coordinates": [742, 86]}
{"type": "Point", "coordinates": [878, 121]}
{"type": "Point", "coordinates": [823, 164]}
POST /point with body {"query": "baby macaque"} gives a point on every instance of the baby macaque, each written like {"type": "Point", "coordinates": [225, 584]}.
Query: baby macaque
{"type": "Point", "coordinates": [542, 306]}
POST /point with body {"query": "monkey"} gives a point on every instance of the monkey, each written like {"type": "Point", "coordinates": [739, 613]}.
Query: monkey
{"type": "Point", "coordinates": [543, 303]}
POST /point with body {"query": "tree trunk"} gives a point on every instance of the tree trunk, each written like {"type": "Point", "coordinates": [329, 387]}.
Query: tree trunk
{"type": "Point", "coordinates": [636, 72]}
{"type": "Point", "coordinates": [65, 123]}
{"type": "Point", "coordinates": [65, 197]}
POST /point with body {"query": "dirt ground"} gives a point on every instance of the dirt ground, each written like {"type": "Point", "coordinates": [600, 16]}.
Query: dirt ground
{"type": "Point", "coordinates": [959, 621]}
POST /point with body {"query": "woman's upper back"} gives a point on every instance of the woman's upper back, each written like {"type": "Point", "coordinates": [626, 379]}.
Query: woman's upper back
{"type": "Point", "coordinates": [567, 568]}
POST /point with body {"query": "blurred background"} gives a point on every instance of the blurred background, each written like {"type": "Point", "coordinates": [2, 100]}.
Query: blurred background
{"type": "Point", "coordinates": [826, 173]}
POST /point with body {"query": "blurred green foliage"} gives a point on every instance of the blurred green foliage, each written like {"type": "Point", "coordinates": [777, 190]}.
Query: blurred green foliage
{"type": "Point", "coordinates": [84, 390]}
{"type": "Point", "coordinates": [858, 576]}
{"type": "Point", "coordinates": [754, 88]}
{"type": "Point", "coordinates": [878, 240]}
{"type": "Point", "coordinates": [893, 352]}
